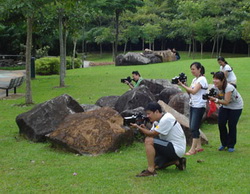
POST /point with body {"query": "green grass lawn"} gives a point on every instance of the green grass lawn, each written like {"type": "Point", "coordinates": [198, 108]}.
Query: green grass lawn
{"type": "Point", "coordinates": [27, 167]}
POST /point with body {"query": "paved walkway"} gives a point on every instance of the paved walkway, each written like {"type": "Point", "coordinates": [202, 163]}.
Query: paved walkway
{"type": "Point", "coordinates": [5, 77]}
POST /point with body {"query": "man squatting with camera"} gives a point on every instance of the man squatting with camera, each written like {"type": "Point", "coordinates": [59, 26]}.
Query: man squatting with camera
{"type": "Point", "coordinates": [165, 143]}
{"type": "Point", "coordinates": [136, 78]}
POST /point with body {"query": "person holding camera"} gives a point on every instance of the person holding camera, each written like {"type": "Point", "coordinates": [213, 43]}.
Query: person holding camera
{"type": "Point", "coordinates": [165, 143]}
{"type": "Point", "coordinates": [197, 104]}
{"type": "Point", "coordinates": [228, 71]}
{"type": "Point", "coordinates": [231, 108]}
{"type": "Point", "coordinates": [136, 78]}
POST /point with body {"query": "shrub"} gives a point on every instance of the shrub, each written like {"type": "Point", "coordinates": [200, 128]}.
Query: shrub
{"type": "Point", "coordinates": [77, 63]}
{"type": "Point", "coordinates": [51, 65]}
{"type": "Point", "coordinates": [47, 65]}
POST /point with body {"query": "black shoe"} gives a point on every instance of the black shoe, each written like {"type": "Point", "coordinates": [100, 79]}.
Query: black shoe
{"type": "Point", "coordinates": [182, 164]}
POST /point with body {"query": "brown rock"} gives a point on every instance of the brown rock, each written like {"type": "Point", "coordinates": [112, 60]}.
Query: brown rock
{"type": "Point", "coordinates": [94, 132]}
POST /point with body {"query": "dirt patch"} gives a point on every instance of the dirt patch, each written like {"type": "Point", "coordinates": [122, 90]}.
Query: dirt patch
{"type": "Point", "coordinates": [12, 96]}
{"type": "Point", "coordinates": [92, 64]}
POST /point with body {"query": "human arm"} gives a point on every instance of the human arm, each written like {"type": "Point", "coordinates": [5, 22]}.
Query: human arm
{"type": "Point", "coordinates": [143, 129]}
{"type": "Point", "coordinates": [225, 101]}
{"type": "Point", "coordinates": [129, 84]}
{"type": "Point", "coordinates": [190, 90]}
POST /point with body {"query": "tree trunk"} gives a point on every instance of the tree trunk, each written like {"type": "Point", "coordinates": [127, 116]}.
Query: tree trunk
{"type": "Point", "coordinates": [83, 50]}
{"type": "Point", "coordinates": [28, 95]}
{"type": "Point", "coordinates": [74, 54]}
{"type": "Point", "coordinates": [113, 51]}
{"type": "Point", "coordinates": [61, 38]}
{"type": "Point", "coordinates": [153, 45]}
{"type": "Point", "coordinates": [213, 47]}
{"type": "Point", "coordinates": [221, 44]}
{"type": "Point", "coordinates": [248, 49]}
{"type": "Point", "coordinates": [143, 44]}
{"type": "Point", "coordinates": [100, 49]}
{"type": "Point", "coordinates": [217, 46]}
{"type": "Point", "coordinates": [125, 47]}
{"type": "Point", "coordinates": [201, 49]}
{"type": "Point", "coordinates": [193, 48]}
{"type": "Point", "coordinates": [117, 13]}
{"type": "Point", "coordinates": [189, 49]}
{"type": "Point", "coordinates": [64, 48]}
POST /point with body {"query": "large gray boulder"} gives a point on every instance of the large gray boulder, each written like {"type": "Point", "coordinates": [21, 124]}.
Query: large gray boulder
{"type": "Point", "coordinates": [153, 58]}
{"type": "Point", "coordinates": [168, 92]}
{"type": "Point", "coordinates": [94, 132]}
{"type": "Point", "coordinates": [180, 102]}
{"type": "Point", "coordinates": [107, 101]}
{"type": "Point", "coordinates": [131, 59]}
{"type": "Point", "coordinates": [138, 97]}
{"type": "Point", "coordinates": [89, 107]}
{"type": "Point", "coordinates": [46, 117]}
{"type": "Point", "coordinates": [156, 85]}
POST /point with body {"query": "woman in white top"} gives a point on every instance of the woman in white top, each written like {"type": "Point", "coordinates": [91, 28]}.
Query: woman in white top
{"type": "Point", "coordinates": [198, 87]}
{"type": "Point", "coordinates": [228, 71]}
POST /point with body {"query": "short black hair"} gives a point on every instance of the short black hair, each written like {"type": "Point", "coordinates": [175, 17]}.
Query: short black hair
{"type": "Point", "coordinates": [136, 73]}
{"type": "Point", "coordinates": [153, 106]}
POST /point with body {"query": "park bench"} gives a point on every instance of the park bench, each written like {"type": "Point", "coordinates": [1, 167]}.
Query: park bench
{"type": "Point", "coordinates": [14, 83]}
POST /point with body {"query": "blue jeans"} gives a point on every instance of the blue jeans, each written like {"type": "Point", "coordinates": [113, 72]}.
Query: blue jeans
{"type": "Point", "coordinates": [230, 117]}
{"type": "Point", "coordinates": [195, 118]}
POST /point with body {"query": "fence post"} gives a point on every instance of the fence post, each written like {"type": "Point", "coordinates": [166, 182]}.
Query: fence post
{"type": "Point", "coordinates": [32, 68]}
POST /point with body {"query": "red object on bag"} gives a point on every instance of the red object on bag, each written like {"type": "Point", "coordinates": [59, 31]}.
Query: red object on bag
{"type": "Point", "coordinates": [212, 108]}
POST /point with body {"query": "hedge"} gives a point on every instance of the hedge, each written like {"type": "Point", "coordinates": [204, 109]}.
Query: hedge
{"type": "Point", "coordinates": [51, 65]}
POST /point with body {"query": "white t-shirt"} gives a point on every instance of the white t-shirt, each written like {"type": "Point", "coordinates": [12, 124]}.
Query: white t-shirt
{"type": "Point", "coordinates": [196, 99]}
{"type": "Point", "coordinates": [172, 133]}
{"type": "Point", "coordinates": [231, 77]}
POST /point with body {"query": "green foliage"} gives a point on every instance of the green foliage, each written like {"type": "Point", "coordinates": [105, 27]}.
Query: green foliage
{"type": "Point", "coordinates": [246, 31]}
{"type": "Point", "coordinates": [50, 65]}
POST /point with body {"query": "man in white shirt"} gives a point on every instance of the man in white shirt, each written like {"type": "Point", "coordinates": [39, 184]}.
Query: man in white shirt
{"type": "Point", "coordinates": [165, 143]}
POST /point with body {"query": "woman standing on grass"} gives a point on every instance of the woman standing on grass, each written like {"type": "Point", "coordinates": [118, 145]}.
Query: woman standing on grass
{"type": "Point", "coordinates": [228, 71]}
{"type": "Point", "coordinates": [198, 87]}
{"type": "Point", "coordinates": [229, 112]}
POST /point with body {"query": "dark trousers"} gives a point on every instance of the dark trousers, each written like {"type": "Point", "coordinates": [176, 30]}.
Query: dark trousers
{"type": "Point", "coordinates": [230, 117]}
{"type": "Point", "coordinates": [195, 118]}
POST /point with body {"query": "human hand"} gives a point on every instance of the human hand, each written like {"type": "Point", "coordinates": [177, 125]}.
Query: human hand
{"type": "Point", "coordinates": [134, 125]}
{"type": "Point", "coordinates": [142, 126]}
{"type": "Point", "coordinates": [211, 98]}
{"type": "Point", "coordinates": [126, 82]}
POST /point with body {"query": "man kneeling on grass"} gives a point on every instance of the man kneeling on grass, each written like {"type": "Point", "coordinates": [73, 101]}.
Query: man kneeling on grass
{"type": "Point", "coordinates": [165, 143]}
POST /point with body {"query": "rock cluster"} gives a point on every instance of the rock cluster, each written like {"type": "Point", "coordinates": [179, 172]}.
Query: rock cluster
{"type": "Point", "coordinates": [96, 129]}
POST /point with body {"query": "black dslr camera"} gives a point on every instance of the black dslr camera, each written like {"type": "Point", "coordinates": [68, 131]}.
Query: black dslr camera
{"type": "Point", "coordinates": [126, 79]}
{"type": "Point", "coordinates": [138, 119]}
{"type": "Point", "coordinates": [182, 77]}
{"type": "Point", "coordinates": [212, 92]}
